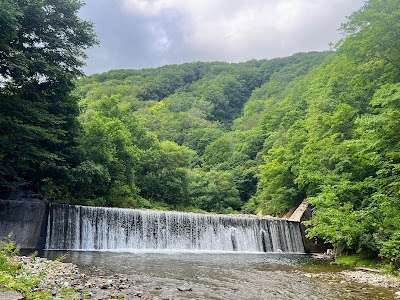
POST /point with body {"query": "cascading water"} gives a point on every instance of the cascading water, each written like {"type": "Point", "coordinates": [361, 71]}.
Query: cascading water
{"type": "Point", "coordinates": [97, 228]}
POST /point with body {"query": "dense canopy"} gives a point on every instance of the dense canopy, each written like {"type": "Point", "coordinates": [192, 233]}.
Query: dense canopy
{"type": "Point", "coordinates": [41, 52]}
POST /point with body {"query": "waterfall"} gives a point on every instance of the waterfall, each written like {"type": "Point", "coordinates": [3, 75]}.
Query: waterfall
{"type": "Point", "coordinates": [99, 228]}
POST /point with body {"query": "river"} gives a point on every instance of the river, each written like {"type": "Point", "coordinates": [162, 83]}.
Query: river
{"type": "Point", "coordinates": [221, 275]}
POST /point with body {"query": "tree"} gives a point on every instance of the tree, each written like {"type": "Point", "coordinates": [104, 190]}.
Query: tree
{"type": "Point", "coordinates": [108, 146]}
{"type": "Point", "coordinates": [214, 191]}
{"type": "Point", "coordinates": [277, 189]}
{"type": "Point", "coordinates": [350, 163]}
{"type": "Point", "coordinates": [44, 42]}
{"type": "Point", "coordinates": [163, 173]}
{"type": "Point", "coordinates": [42, 47]}
{"type": "Point", "coordinates": [377, 20]}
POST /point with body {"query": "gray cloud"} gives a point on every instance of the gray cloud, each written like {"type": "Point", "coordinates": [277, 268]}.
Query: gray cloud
{"type": "Point", "coordinates": [149, 33]}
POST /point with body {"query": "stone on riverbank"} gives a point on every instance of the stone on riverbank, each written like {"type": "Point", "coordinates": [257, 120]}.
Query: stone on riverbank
{"type": "Point", "coordinates": [11, 295]}
{"type": "Point", "coordinates": [372, 278]}
{"type": "Point", "coordinates": [187, 287]}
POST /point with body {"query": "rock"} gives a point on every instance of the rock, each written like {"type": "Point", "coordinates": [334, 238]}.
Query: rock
{"type": "Point", "coordinates": [11, 295]}
{"type": "Point", "coordinates": [109, 282]}
{"type": "Point", "coordinates": [147, 296]}
{"type": "Point", "coordinates": [123, 286]}
{"type": "Point", "coordinates": [187, 287]}
{"type": "Point", "coordinates": [366, 270]}
{"type": "Point", "coordinates": [79, 288]}
{"type": "Point", "coordinates": [104, 286]}
{"type": "Point", "coordinates": [138, 293]}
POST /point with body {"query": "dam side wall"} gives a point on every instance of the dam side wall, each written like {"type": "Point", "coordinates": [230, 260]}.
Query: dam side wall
{"type": "Point", "coordinates": [304, 213]}
{"type": "Point", "coordinates": [25, 220]}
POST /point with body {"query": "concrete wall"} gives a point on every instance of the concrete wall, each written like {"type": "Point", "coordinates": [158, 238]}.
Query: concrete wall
{"type": "Point", "coordinates": [304, 213]}
{"type": "Point", "coordinates": [26, 220]}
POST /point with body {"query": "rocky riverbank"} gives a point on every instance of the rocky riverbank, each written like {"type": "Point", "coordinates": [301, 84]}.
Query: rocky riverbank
{"type": "Point", "coordinates": [68, 281]}
{"type": "Point", "coordinates": [368, 277]}
{"type": "Point", "coordinates": [371, 278]}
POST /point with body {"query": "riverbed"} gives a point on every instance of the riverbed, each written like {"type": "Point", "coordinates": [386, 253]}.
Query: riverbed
{"type": "Point", "coordinates": [219, 275]}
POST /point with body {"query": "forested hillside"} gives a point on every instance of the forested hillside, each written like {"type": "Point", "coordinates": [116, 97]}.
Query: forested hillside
{"type": "Point", "coordinates": [183, 140]}
{"type": "Point", "coordinates": [253, 137]}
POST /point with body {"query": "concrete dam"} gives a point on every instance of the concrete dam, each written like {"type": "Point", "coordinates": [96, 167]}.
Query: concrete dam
{"type": "Point", "coordinates": [35, 224]}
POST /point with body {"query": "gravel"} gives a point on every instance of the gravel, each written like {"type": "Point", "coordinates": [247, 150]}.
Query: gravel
{"type": "Point", "coordinates": [372, 278]}
{"type": "Point", "coordinates": [67, 281]}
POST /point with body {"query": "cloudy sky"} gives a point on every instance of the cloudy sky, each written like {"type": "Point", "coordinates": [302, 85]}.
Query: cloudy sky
{"type": "Point", "coordinates": [149, 33]}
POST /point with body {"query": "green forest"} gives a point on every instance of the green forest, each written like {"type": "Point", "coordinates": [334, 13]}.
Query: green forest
{"type": "Point", "coordinates": [256, 137]}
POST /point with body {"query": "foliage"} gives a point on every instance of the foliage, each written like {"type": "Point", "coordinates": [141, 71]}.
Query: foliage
{"type": "Point", "coordinates": [42, 45]}
{"type": "Point", "coordinates": [10, 273]}
{"type": "Point", "coordinates": [13, 276]}
{"type": "Point", "coordinates": [214, 191]}
{"type": "Point", "coordinates": [111, 157]}
{"type": "Point", "coordinates": [357, 260]}
{"type": "Point", "coordinates": [377, 20]}
{"type": "Point", "coordinates": [350, 162]}
{"type": "Point", "coordinates": [165, 114]}
{"type": "Point", "coordinates": [163, 173]}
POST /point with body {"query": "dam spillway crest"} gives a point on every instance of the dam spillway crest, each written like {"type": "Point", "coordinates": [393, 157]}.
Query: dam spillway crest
{"type": "Point", "coordinates": [99, 228]}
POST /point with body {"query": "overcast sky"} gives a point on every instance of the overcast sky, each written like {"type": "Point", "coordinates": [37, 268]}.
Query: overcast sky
{"type": "Point", "coordinates": [149, 33]}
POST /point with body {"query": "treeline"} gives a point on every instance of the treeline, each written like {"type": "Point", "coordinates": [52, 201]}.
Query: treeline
{"type": "Point", "coordinates": [253, 137]}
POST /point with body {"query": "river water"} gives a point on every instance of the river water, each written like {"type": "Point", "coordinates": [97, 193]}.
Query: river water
{"type": "Point", "coordinates": [234, 275]}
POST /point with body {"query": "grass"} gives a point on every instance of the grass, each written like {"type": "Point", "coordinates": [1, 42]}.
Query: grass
{"type": "Point", "coordinates": [14, 277]}
{"type": "Point", "coordinates": [359, 260]}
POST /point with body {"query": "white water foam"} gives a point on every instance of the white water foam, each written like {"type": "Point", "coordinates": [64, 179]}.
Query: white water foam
{"type": "Point", "coordinates": [116, 229]}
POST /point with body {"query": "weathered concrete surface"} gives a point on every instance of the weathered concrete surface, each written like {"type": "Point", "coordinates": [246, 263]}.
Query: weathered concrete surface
{"type": "Point", "coordinates": [298, 214]}
{"type": "Point", "coordinates": [25, 218]}
{"type": "Point", "coordinates": [304, 213]}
